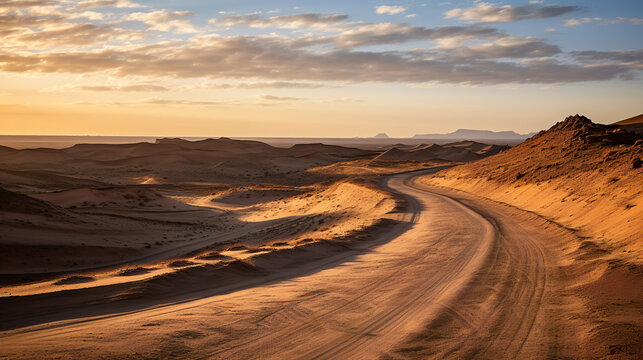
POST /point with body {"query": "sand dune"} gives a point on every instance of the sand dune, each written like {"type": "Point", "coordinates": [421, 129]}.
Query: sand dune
{"type": "Point", "coordinates": [175, 159]}
{"type": "Point", "coordinates": [588, 178]}
{"type": "Point", "coordinates": [226, 248]}
{"type": "Point", "coordinates": [492, 284]}
{"type": "Point", "coordinates": [462, 151]}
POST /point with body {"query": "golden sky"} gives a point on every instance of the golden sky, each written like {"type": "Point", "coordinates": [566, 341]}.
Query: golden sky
{"type": "Point", "coordinates": [199, 68]}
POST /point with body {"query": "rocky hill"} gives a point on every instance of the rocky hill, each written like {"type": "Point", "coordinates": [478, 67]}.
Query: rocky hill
{"type": "Point", "coordinates": [583, 175]}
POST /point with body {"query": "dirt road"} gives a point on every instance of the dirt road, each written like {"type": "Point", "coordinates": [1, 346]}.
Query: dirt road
{"type": "Point", "coordinates": [467, 279]}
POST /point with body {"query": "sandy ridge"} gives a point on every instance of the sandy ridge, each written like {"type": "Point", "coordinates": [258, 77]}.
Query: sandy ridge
{"type": "Point", "coordinates": [458, 261]}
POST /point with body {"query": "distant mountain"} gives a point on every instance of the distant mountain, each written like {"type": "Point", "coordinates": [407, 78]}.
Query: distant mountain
{"type": "Point", "coordinates": [381, 136]}
{"type": "Point", "coordinates": [468, 134]}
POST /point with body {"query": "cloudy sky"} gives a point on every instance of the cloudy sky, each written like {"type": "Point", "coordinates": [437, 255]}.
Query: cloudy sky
{"type": "Point", "coordinates": [314, 68]}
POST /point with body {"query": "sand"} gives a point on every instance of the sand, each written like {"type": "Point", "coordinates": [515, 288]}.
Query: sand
{"type": "Point", "coordinates": [581, 176]}
{"type": "Point", "coordinates": [461, 151]}
{"type": "Point", "coordinates": [231, 249]}
{"type": "Point", "coordinates": [492, 284]}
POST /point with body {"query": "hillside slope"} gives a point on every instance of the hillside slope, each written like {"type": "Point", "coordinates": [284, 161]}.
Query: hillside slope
{"type": "Point", "coordinates": [461, 151]}
{"type": "Point", "coordinates": [586, 177]}
{"type": "Point", "coordinates": [633, 124]}
{"type": "Point", "coordinates": [583, 175]}
{"type": "Point", "coordinates": [629, 121]}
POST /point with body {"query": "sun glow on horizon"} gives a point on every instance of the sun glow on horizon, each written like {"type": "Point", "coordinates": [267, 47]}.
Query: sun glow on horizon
{"type": "Point", "coordinates": [301, 70]}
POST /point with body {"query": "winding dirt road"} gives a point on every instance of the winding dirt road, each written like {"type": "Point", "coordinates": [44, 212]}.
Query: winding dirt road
{"type": "Point", "coordinates": [467, 279]}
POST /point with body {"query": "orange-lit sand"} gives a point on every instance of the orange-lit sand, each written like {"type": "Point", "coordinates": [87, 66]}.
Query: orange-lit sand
{"type": "Point", "coordinates": [136, 251]}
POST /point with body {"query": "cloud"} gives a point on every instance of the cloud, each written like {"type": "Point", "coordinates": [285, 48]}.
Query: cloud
{"type": "Point", "coordinates": [510, 47]}
{"type": "Point", "coordinates": [389, 10]}
{"type": "Point", "coordinates": [241, 57]}
{"type": "Point", "coordinates": [618, 20]}
{"type": "Point", "coordinates": [16, 20]}
{"type": "Point", "coordinates": [78, 34]}
{"type": "Point", "coordinates": [354, 34]}
{"type": "Point", "coordinates": [347, 100]}
{"type": "Point", "coordinates": [289, 21]}
{"type": "Point", "coordinates": [91, 4]}
{"type": "Point", "coordinates": [263, 85]}
{"type": "Point", "coordinates": [625, 56]}
{"type": "Point", "coordinates": [175, 102]}
{"type": "Point", "coordinates": [388, 33]}
{"type": "Point", "coordinates": [576, 22]}
{"type": "Point", "coordinates": [636, 21]}
{"type": "Point", "coordinates": [127, 88]}
{"type": "Point", "coordinates": [157, 101]}
{"type": "Point", "coordinates": [488, 13]}
{"type": "Point", "coordinates": [67, 40]}
{"type": "Point", "coordinates": [37, 28]}
{"type": "Point", "coordinates": [273, 98]}
{"type": "Point", "coordinates": [166, 21]}
{"type": "Point", "coordinates": [280, 98]}
{"type": "Point", "coordinates": [89, 15]}
{"type": "Point", "coordinates": [23, 4]}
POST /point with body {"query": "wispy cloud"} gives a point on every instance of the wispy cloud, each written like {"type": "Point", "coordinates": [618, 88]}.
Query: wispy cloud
{"type": "Point", "coordinates": [389, 10]}
{"type": "Point", "coordinates": [621, 56]}
{"type": "Point", "coordinates": [76, 34]}
{"type": "Point", "coordinates": [388, 33]}
{"type": "Point", "coordinates": [280, 98]}
{"type": "Point", "coordinates": [22, 4]}
{"type": "Point", "coordinates": [157, 101]}
{"type": "Point", "coordinates": [618, 20]}
{"type": "Point", "coordinates": [163, 20]}
{"type": "Point", "coordinates": [63, 40]}
{"type": "Point", "coordinates": [126, 88]}
{"type": "Point", "coordinates": [510, 47]}
{"type": "Point", "coordinates": [289, 21]}
{"type": "Point", "coordinates": [91, 4]}
{"type": "Point", "coordinates": [248, 57]}
{"type": "Point", "coordinates": [489, 13]}
{"type": "Point", "coordinates": [264, 85]}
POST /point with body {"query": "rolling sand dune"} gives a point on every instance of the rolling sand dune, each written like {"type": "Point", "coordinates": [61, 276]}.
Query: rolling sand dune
{"type": "Point", "coordinates": [462, 151]}
{"type": "Point", "coordinates": [233, 249]}
{"type": "Point", "coordinates": [492, 285]}
{"type": "Point", "coordinates": [112, 197]}
{"type": "Point", "coordinates": [170, 160]}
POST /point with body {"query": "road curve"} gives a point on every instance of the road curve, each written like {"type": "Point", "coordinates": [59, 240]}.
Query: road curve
{"type": "Point", "coordinates": [466, 280]}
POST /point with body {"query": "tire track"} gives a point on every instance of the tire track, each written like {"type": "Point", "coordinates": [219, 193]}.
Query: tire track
{"type": "Point", "coordinates": [467, 279]}
{"type": "Point", "coordinates": [518, 276]}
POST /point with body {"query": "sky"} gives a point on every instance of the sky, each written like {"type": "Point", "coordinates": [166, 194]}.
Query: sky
{"type": "Point", "coordinates": [314, 68]}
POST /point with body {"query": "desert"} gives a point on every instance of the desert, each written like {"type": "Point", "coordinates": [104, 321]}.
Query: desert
{"type": "Point", "coordinates": [316, 251]}
{"type": "Point", "coordinates": [340, 180]}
